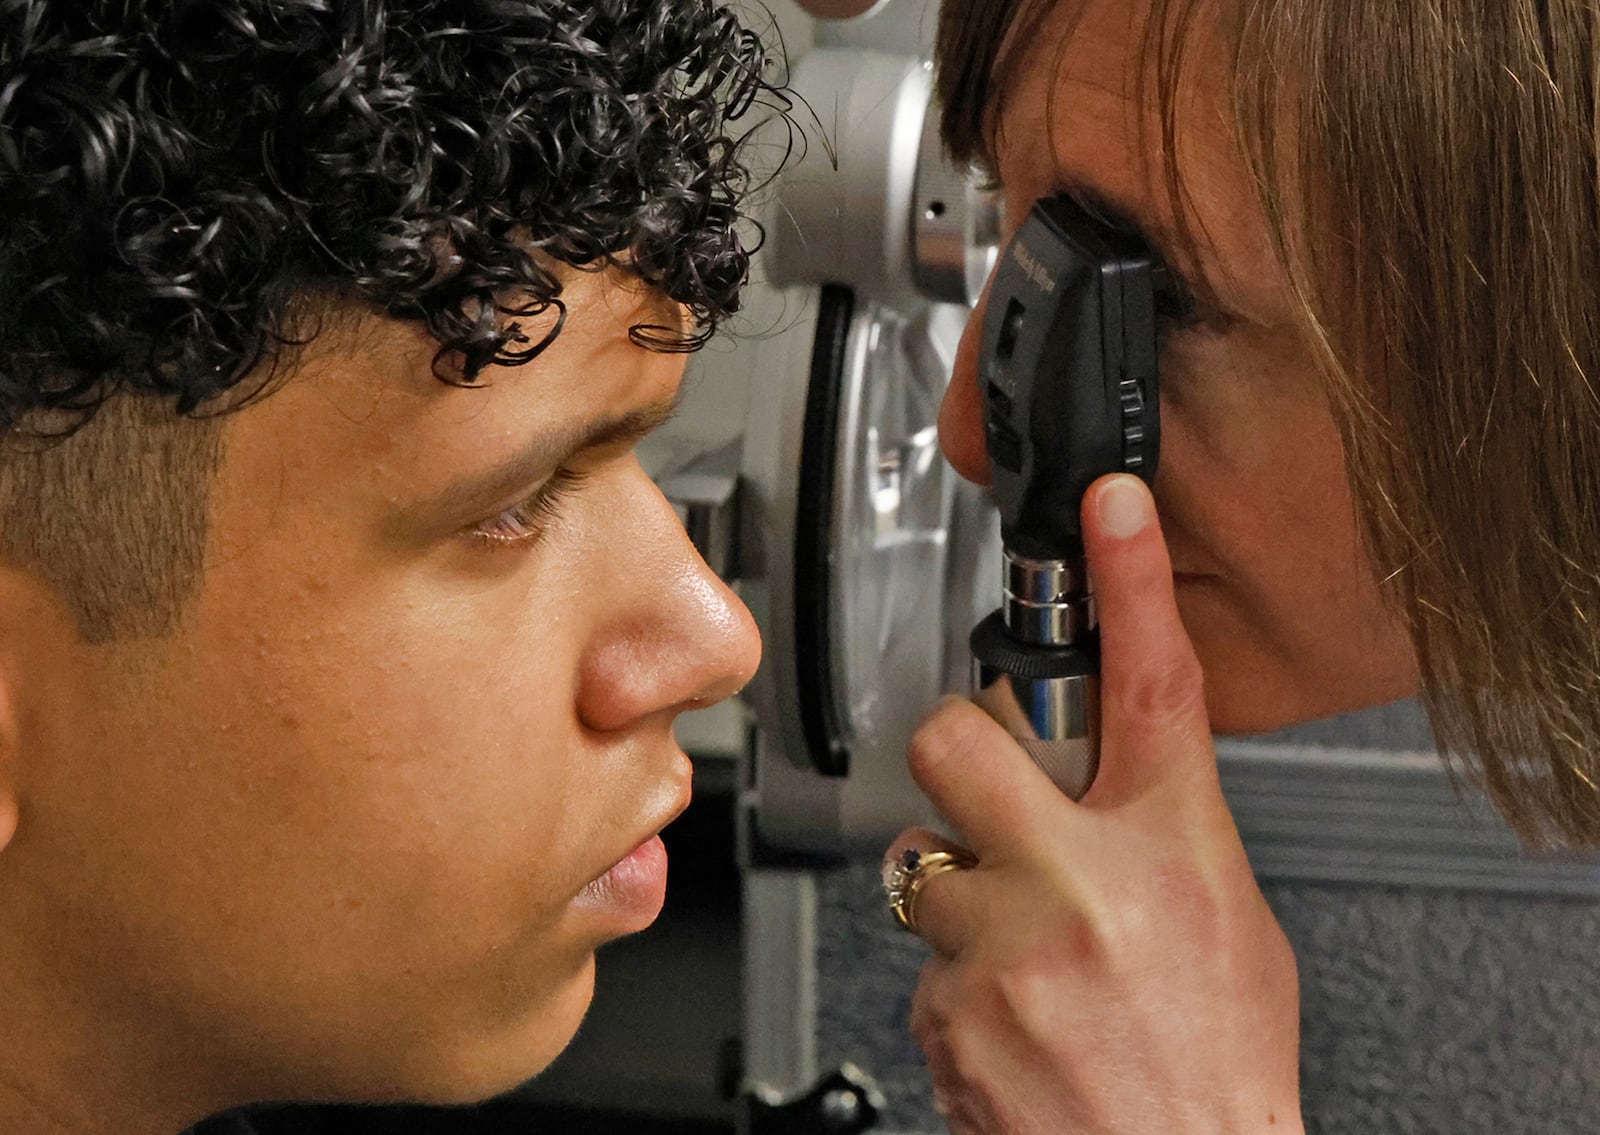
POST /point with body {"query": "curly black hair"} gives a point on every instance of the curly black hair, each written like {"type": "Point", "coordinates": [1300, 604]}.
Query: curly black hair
{"type": "Point", "coordinates": [173, 174]}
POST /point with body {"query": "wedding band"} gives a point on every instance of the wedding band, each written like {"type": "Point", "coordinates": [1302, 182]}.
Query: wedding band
{"type": "Point", "coordinates": [905, 876]}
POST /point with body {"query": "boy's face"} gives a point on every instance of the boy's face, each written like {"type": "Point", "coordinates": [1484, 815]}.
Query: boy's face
{"type": "Point", "coordinates": [354, 827]}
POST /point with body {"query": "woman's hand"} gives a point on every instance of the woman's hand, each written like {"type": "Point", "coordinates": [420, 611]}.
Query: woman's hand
{"type": "Point", "coordinates": [1109, 965]}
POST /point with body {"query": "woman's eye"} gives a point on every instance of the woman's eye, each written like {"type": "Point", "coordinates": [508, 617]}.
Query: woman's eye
{"type": "Point", "coordinates": [1175, 303]}
{"type": "Point", "coordinates": [524, 522]}
{"type": "Point", "coordinates": [1180, 308]}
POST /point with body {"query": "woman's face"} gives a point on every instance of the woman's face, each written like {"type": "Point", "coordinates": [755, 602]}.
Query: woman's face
{"type": "Point", "coordinates": [353, 831]}
{"type": "Point", "coordinates": [1271, 579]}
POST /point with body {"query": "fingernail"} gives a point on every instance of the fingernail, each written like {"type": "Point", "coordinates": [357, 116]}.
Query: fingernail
{"type": "Point", "coordinates": [1124, 505]}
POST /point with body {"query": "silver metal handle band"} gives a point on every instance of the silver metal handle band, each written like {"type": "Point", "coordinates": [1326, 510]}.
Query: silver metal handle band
{"type": "Point", "coordinates": [1045, 581]}
{"type": "Point", "coordinates": [1048, 602]}
{"type": "Point", "coordinates": [1050, 624]}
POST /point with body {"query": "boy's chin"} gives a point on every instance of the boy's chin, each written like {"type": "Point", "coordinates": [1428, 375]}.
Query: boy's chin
{"type": "Point", "coordinates": [461, 1072]}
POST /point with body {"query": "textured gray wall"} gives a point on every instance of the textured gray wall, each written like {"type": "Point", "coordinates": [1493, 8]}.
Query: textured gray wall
{"type": "Point", "coordinates": [1422, 1010]}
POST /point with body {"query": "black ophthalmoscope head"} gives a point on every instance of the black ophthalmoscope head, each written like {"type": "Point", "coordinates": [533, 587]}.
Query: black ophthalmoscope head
{"type": "Point", "coordinates": [1067, 378]}
{"type": "Point", "coordinates": [1067, 374]}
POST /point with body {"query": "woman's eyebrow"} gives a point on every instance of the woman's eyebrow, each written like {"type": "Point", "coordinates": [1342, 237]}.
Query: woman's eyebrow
{"type": "Point", "coordinates": [1119, 214]}
{"type": "Point", "coordinates": [1175, 250]}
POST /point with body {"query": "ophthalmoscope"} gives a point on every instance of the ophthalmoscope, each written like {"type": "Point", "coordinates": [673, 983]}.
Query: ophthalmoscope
{"type": "Point", "coordinates": [1067, 377]}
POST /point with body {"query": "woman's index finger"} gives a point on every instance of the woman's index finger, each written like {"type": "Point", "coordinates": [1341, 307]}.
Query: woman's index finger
{"type": "Point", "coordinates": [982, 781]}
{"type": "Point", "coordinates": [1153, 711]}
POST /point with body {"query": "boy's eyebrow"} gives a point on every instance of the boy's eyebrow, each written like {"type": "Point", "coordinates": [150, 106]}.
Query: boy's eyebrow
{"type": "Point", "coordinates": [492, 486]}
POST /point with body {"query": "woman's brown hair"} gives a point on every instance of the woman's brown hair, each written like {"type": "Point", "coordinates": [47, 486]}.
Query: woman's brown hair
{"type": "Point", "coordinates": [1430, 169]}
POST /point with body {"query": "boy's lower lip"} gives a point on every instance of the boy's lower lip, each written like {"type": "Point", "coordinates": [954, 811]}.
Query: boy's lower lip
{"type": "Point", "coordinates": [633, 890]}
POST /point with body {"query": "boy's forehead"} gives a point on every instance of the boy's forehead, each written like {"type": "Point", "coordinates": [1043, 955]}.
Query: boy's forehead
{"type": "Point", "coordinates": [370, 395]}
{"type": "Point", "coordinates": [374, 365]}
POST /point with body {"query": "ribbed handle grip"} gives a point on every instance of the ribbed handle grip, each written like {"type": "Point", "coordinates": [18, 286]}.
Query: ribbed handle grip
{"type": "Point", "coordinates": [1055, 719]}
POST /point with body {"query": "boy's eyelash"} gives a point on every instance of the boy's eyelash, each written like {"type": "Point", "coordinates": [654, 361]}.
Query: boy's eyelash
{"type": "Point", "coordinates": [525, 522]}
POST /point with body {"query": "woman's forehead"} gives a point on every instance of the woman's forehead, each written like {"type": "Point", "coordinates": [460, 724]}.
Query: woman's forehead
{"type": "Point", "coordinates": [1114, 65]}
{"type": "Point", "coordinates": [1097, 107]}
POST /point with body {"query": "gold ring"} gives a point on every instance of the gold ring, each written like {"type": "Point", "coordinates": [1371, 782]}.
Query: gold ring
{"type": "Point", "coordinates": [905, 876]}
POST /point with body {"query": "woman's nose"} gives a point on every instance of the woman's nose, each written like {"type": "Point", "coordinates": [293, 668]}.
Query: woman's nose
{"type": "Point", "coordinates": [677, 639]}
{"type": "Point", "coordinates": [961, 417]}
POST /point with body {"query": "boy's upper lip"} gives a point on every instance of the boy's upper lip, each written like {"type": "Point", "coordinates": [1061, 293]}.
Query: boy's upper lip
{"type": "Point", "coordinates": [654, 821]}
